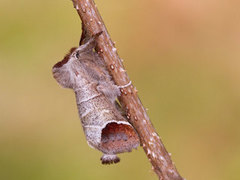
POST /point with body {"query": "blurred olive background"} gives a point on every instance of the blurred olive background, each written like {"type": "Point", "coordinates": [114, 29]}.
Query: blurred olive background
{"type": "Point", "coordinates": [183, 57]}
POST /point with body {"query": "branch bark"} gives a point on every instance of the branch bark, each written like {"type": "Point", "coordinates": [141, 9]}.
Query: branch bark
{"type": "Point", "coordinates": [136, 113]}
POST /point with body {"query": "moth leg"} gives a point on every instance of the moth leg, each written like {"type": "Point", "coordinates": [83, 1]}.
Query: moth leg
{"type": "Point", "coordinates": [87, 42]}
{"type": "Point", "coordinates": [85, 36]}
{"type": "Point", "coordinates": [109, 159]}
{"type": "Point", "coordinates": [126, 85]}
{"type": "Point", "coordinates": [110, 90]}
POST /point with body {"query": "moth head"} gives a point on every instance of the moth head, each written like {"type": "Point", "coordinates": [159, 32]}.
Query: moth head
{"type": "Point", "coordinates": [62, 72]}
{"type": "Point", "coordinates": [66, 58]}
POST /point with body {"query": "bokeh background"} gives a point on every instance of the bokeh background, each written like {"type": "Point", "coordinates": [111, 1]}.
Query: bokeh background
{"type": "Point", "coordinates": [183, 57]}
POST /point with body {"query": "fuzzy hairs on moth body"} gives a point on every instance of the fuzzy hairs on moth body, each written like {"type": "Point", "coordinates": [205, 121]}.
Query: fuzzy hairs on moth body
{"type": "Point", "coordinates": [105, 128]}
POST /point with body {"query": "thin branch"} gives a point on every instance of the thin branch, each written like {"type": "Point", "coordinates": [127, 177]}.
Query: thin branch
{"type": "Point", "coordinates": [136, 113]}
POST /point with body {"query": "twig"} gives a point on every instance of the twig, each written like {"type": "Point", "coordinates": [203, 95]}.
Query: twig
{"type": "Point", "coordinates": [136, 113]}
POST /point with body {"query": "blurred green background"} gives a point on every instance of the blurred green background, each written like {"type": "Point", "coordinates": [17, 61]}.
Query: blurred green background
{"type": "Point", "coordinates": [183, 57]}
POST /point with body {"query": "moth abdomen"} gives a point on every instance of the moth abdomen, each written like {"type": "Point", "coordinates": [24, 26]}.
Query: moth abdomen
{"type": "Point", "coordinates": [109, 159]}
{"type": "Point", "coordinates": [104, 126]}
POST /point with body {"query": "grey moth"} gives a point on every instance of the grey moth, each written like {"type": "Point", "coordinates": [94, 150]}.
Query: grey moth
{"type": "Point", "coordinates": [105, 128]}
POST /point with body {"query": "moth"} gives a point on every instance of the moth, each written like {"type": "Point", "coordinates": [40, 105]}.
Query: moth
{"type": "Point", "coordinates": [105, 128]}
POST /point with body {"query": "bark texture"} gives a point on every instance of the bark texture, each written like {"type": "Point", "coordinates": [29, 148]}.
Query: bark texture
{"type": "Point", "coordinates": [136, 113]}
